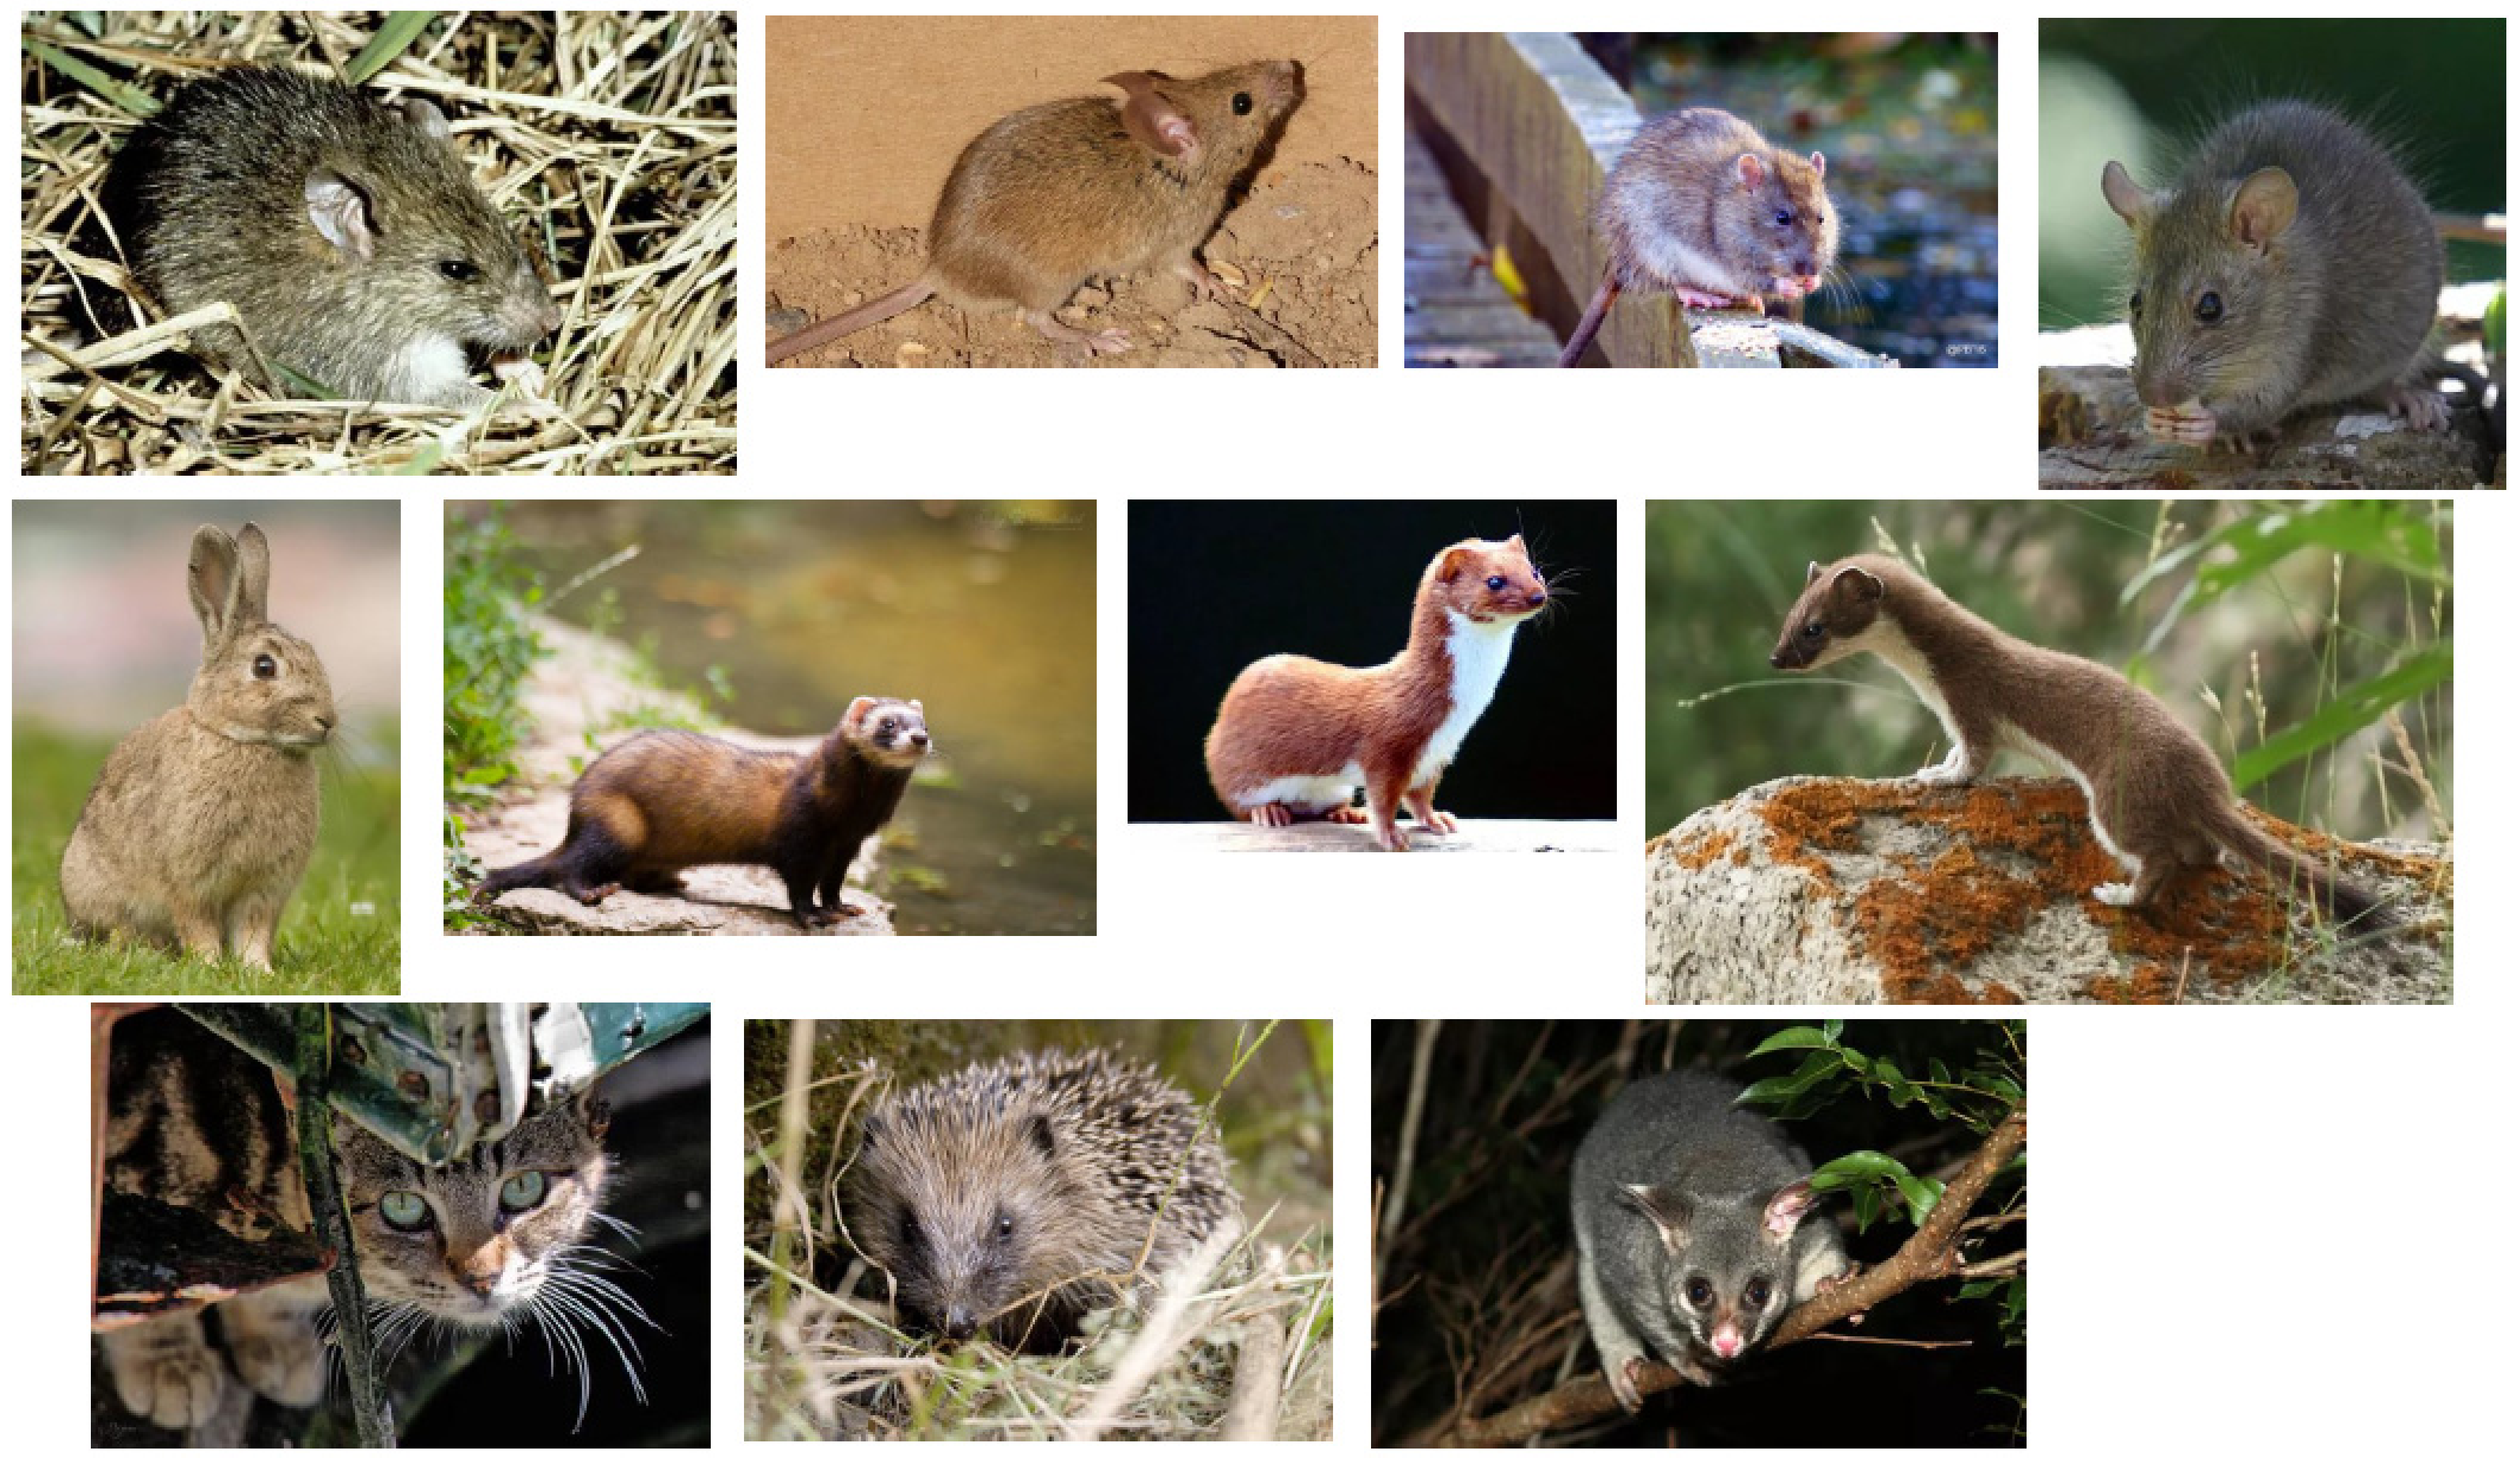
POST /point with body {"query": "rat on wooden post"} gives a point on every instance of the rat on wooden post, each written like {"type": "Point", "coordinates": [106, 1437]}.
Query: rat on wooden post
{"type": "Point", "coordinates": [2289, 263]}
{"type": "Point", "coordinates": [1056, 194]}
{"type": "Point", "coordinates": [1703, 207]}
{"type": "Point", "coordinates": [2158, 799]}
{"type": "Point", "coordinates": [346, 231]}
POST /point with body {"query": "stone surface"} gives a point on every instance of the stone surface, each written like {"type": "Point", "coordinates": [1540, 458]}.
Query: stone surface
{"type": "Point", "coordinates": [1480, 834]}
{"type": "Point", "coordinates": [1811, 890]}
{"type": "Point", "coordinates": [583, 687]}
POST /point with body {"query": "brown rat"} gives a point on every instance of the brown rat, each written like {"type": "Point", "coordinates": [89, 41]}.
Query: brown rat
{"type": "Point", "coordinates": [1701, 207]}
{"type": "Point", "coordinates": [347, 231]}
{"type": "Point", "coordinates": [1055, 194]}
{"type": "Point", "coordinates": [2289, 263]}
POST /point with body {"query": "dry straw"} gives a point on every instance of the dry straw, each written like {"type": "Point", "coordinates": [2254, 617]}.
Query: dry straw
{"type": "Point", "coordinates": [610, 136]}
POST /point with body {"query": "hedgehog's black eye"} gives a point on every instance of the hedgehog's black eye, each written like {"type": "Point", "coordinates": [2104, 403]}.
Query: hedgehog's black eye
{"type": "Point", "coordinates": [1242, 103]}
{"type": "Point", "coordinates": [265, 666]}
{"type": "Point", "coordinates": [2209, 308]}
{"type": "Point", "coordinates": [1006, 1226]}
{"type": "Point", "coordinates": [1496, 585]}
{"type": "Point", "coordinates": [1785, 217]}
{"type": "Point", "coordinates": [1756, 1295]}
{"type": "Point", "coordinates": [1701, 1293]}
{"type": "Point", "coordinates": [460, 270]}
{"type": "Point", "coordinates": [2135, 304]}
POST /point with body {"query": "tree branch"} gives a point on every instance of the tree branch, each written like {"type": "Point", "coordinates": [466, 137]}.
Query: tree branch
{"type": "Point", "coordinates": [1931, 1253]}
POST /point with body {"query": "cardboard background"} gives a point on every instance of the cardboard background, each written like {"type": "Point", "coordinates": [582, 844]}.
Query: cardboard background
{"type": "Point", "coordinates": [866, 114]}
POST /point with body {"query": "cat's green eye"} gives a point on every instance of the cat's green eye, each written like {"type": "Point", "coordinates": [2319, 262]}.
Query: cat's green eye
{"type": "Point", "coordinates": [404, 1209]}
{"type": "Point", "coordinates": [523, 1191]}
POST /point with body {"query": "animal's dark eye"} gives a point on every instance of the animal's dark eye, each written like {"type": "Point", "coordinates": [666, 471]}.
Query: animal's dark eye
{"type": "Point", "coordinates": [2135, 304]}
{"type": "Point", "coordinates": [909, 1229]}
{"type": "Point", "coordinates": [1242, 103]}
{"type": "Point", "coordinates": [1496, 584]}
{"type": "Point", "coordinates": [1756, 1295]}
{"type": "Point", "coordinates": [265, 666]}
{"type": "Point", "coordinates": [2209, 308]}
{"type": "Point", "coordinates": [1815, 630]}
{"type": "Point", "coordinates": [1785, 217]}
{"type": "Point", "coordinates": [1701, 1293]}
{"type": "Point", "coordinates": [1006, 1226]}
{"type": "Point", "coordinates": [460, 270]}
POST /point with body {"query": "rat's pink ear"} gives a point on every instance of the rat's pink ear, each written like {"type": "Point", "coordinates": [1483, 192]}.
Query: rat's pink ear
{"type": "Point", "coordinates": [1151, 117]}
{"type": "Point", "coordinates": [425, 115]}
{"type": "Point", "coordinates": [2263, 208]}
{"type": "Point", "coordinates": [340, 212]}
{"type": "Point", "coordinates": [2126, 200]}
{"type": "Point", "coordinates": [1820, 164]}
{"type": "Point", "coordinates": [1752, 170]}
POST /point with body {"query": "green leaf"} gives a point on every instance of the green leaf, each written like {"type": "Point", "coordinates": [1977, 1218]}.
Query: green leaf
{"type": "Point", "coordinates": [1834, 1027]}
{"type": "Point", "coordinates": [122, 94]}
{"type": "Point", "coordinates": [1800, 1038]}
{"type": "Point", "coordinates": [393, 38]}
{"type": "Point", "coordinates": [1857, 1167]}
{"type": "Point", "coordinates": [1867, 1207]}
{"type": "Point", "coordinates": [1922, 1195]}
{"type": "Point", "coordinates": [2354, 708]}
{"type": "Point", "coordinates": [2397, 535]}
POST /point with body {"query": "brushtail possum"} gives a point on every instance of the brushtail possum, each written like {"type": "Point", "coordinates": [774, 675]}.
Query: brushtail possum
{"type": "Point", "coordinates": [1695, 1229]}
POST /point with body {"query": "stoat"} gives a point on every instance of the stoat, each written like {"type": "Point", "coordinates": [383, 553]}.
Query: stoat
{"type": "Point", "coordinates": [2159, 799]}
{"type": "Point", "coordinates": [1295, 737]}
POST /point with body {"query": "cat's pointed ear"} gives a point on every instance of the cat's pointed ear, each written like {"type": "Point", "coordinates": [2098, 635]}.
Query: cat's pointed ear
{"type": "Point", "coordinates": [595, 1112]}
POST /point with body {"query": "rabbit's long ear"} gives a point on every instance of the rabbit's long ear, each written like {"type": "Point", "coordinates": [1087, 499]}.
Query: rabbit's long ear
{"type": "Point", "coordinates": [254, 576]}
{"type": "Point", "coordinates": [211, 574]}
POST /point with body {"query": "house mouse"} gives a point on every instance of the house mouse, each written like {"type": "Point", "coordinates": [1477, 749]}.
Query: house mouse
{"type": "Point", "coordinates": [1701, 207]}
{"type": "Point", "coordinates": [1089, 186]}
{"type": "Point", "coordinates": [1695, 1229]}
{"type": "Point", "coordinates": [2289, 263]}
{"type": "Point", "coordinates": [345, 230]}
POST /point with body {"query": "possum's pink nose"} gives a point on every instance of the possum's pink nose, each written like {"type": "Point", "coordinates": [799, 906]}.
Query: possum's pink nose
{"type": "Point", "coordinates": [1727, 1343]}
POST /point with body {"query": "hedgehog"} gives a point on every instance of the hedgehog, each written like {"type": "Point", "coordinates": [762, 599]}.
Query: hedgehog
{"type": "Point", "coordinates": [1020, 1196]}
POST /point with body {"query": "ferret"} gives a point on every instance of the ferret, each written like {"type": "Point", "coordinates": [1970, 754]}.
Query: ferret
{"type": "Point", "coordinates": [1295, 737]}
{"type": "Point", "coordinates": [665, 800]}
{"type": "Point", "coordinates": [2158, 798]}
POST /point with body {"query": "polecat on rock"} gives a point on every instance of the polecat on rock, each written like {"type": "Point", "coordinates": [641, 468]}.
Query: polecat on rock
{"type": "Point", "coordinates": [1295, 737]}
{"type": "Point", "coordinates": [665, 800]}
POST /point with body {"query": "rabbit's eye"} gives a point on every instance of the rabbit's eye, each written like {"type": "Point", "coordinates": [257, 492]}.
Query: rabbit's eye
{"type": "Point", "coordinates": [265, 666]}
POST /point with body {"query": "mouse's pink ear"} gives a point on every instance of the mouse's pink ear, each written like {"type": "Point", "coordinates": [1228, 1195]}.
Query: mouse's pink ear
{"type": "Point", "coordinates": [2126, 200]}
{"type": "Point", "coordinates": [1151, 117]}
{"type": "Point", "coordinates": [1820, 164]}
{"type": "Point", "coordinates": [338, 209]}
{"type": "Point", "coordinates": [1753, 171]}
{"type": "Point", "coordinates": [2263, 208]}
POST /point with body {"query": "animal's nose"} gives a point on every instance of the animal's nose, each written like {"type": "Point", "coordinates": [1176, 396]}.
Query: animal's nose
{"type": "Point", "coordinates": [326, 721]}
{"type": "Point", "coordinates": [919, 738]}
{"type": "Point", "coordinates": [959, 1323]}
{"type": "Point", "coordinates": [1803, 269]}
{"type": "Point", "coordinates": [1776, 661]}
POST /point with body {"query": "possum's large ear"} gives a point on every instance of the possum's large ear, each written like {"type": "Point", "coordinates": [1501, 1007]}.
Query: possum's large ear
{"type": "Point", "coordinates": [1787, 1209]}
{"type": "Point", "coordinates": [2263, 208]}
{"type": "Point", "coordinates": [2126, 200]}
{"type": "Point", "coordinates": [1666, 1207]}
{"type": "Point", "coordinates": [1151, 117]}
{"type": "Point", "coordinates": [340, 211]}
{"type": "Point", "coordinates": [1037, 1130]}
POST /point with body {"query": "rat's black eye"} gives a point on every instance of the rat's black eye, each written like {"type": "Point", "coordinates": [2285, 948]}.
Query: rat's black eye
{"type": "Point", "coordinates": [2135, 304]}
{"type": "Point", "coordinates": [1496, 585]}
{"type": "Point", "coordinates": [2209, 308]}
{"type": "Point", "coordinates": [1701, 1293]}
{"type": "Point", "coordinates": [1242, 103]}
{"type": "Point", "coordinates": [460, 270]}
{"type": "Point", "coordinates": [1756, 1293]}
{"type": "Point", "coordinates": [1785, 217]}
{"type": "Point", "coordinates": [265, 666]}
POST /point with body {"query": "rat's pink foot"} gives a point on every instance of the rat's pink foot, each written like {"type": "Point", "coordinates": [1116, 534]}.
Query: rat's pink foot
{"type": "Point", "coordinates": [1202, 284]}
{"type": "Point", "coordinates": [1696, 299]}
{"type": "Point", "coordinates": [1104, 342]}
{"type": "Point", "coordinates": [1349, 815]}
{"type": "Point", "coordinates": [2424, 410]}
{"type": "Point", "coordinates": [1273, 814]}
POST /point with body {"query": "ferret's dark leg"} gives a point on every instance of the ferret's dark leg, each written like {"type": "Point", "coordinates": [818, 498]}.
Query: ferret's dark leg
{"type": "Point", "coordinates": [590, 866]}
{"type": "Point", "coordinates": [799, 878]}
{"type": "Point", "coordinates": [835, 870]}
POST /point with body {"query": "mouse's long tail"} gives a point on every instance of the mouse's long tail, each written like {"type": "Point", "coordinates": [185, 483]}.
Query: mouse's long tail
{"type": "Point", "coordinates": [874, 312]}
{"type": "Point", "coordinates": [2346, 901]}
{"type": "Point", "coordinates": [1591, 325]}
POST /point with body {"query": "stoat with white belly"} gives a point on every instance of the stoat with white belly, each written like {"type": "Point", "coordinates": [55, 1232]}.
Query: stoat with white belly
{"type": "Point", "coordinates": [1295, 737]}
{"type": "Point", "coordinates": [2159, 799]}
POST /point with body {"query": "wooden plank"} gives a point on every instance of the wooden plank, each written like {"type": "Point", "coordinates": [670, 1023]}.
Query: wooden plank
{"type": "Point", "coordinates": [1543, 124]}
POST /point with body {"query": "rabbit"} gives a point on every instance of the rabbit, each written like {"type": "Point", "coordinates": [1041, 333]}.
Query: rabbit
{"type": "Point", "coordinates": [202, 821]}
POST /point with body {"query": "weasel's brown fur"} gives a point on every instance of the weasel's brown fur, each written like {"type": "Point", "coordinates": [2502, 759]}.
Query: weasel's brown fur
{"type": "Point", "coordinates": [1295, 737]}
{"type": "Point", "coordinates": [2159, 799]}
{"type": "Point", "coordinates": [666, 801]}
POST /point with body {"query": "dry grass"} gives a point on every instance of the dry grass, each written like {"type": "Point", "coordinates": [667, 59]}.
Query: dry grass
{"type": "Point", "coordinates": [611, 135]}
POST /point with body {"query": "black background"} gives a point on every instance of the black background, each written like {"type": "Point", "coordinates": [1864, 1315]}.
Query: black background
{"type": "Point", "coordinates": [1215, 585]}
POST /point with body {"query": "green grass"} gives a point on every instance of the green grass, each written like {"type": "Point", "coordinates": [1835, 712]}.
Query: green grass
{"type": "Point", "coordinates": [343, 932]}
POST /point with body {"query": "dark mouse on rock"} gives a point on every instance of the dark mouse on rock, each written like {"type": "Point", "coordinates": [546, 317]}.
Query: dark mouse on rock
{"type": "Point", "coordinates": [347, 231]}
{"type": "Point", "coordinates": [2289, 264]}
{"type": "Point", "coordinates": [1702, 208]}
{"type": "Point", "coordinates": [1089, 187]}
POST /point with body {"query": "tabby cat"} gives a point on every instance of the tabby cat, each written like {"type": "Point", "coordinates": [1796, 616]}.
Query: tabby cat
{"type": "Point", "coordinates": [489, 1240]}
